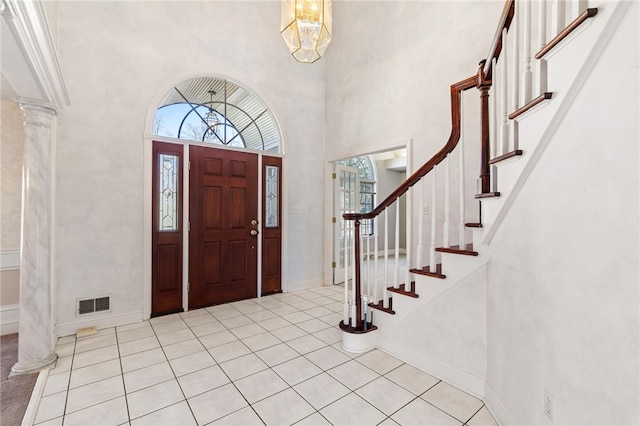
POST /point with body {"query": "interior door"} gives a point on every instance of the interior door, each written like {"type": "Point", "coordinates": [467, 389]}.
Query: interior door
{"type": "Point", "coordinates": [346, 189]}
{"type": "Point", "coordinates": [223, 216]}
{"type": "Point", "coordinates": [166, 273]}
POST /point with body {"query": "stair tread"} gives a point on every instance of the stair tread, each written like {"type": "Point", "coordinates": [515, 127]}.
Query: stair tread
{"type": "Point", "coordinates": [401, 290]}
{"type": "Point", "coordinates": [380, 306]}
{"type": "Point", "coordinates": [506, 156]}
{"type": "Point", "coordinates": [426, 270]}
{"type": "Point", "coordinates": [473, 225]}
{"type": "Point", "coordinates": [468, 250]}
{"type": "Point", "coordinates": [487, 195]}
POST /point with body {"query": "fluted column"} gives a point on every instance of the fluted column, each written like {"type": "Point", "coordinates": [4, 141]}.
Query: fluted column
{"type": "Point", "coordinates": [35, 329]}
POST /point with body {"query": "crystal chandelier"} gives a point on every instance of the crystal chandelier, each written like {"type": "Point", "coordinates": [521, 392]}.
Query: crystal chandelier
{"type": "Point", "coordinates": [306, 28]}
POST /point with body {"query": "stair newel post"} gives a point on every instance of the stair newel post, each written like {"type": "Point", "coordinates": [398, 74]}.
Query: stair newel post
{"type": "Point", "coordinates": [396, 269]}
{"type": "Point", "coordinates": [485, 174]}
{"type": "Point", "coordinates": [541, 64]}
{"type": "Point", "coordinates": [375, 262]}
{"type": "Point", "coordinates": [357, 295]}
{"type": "Point", "coordinates": [526, 72]}
{"type": "Point", "coordinates": [432, 249]}
{"type": "Point", "coordinates": [347, 302]}
{"type": "Point", "coordinates": [385, 279]}
{"type": "Point", "coordinates": [461, 219]}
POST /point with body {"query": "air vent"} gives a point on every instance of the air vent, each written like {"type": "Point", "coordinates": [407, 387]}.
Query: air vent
{"type": "Point", "coordinates": [99, 304]}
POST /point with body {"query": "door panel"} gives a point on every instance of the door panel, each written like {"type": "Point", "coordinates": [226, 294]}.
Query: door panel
{"type": "Point", "coordinates": [271, 225]}
{"type": "Point", "coordinates": [166, 273]}
{"type": "Point", "coordinates": [223, 201]}
{"type": "Point", "coordinates": [346, 188]}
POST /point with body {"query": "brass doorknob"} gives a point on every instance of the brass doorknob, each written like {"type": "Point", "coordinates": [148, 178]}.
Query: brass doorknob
{"type": "Point", "coordinates": [254, 232]}
{"type": "Point", "coordinates": [254, 222]}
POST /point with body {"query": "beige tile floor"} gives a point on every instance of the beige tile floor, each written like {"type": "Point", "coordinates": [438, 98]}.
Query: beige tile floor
{"type": "Point", "coordinates": [275, 360]}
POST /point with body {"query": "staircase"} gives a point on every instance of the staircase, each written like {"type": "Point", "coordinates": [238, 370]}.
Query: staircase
{"type": "Point", "coordinates": [432, 313]}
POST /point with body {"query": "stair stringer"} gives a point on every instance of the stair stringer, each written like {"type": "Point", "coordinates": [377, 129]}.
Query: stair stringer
{"type": "Point", "coordinates": [569, 64]}
{"type": "Point", "coordinates": [446, 335]}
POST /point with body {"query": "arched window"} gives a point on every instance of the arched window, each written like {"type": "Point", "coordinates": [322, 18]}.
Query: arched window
{"type": "Point", "coordinates": [367, 173]}
{"type": "Point", "coordinates": [217, 111]}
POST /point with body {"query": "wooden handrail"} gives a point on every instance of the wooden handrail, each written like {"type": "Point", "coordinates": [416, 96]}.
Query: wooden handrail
{"type": "Point", "coordinates": [455, 90]}
{"type": "Point", "coordinates": [496, 45]}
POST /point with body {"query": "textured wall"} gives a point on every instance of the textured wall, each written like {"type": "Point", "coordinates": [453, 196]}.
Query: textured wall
{"type": "Point", "coordinates": [12, 139]}
{"type": "Point", "coordinates": [563, 290]}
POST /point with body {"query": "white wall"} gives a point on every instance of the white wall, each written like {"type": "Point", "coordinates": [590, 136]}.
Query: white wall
{"type": "Point", "coordinates": [116, 57]}
{"type": "Point", "coordinates": [563, 292]}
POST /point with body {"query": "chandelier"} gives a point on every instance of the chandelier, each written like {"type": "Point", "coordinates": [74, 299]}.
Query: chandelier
{"type": "Point", "coordinates": [306, 28]}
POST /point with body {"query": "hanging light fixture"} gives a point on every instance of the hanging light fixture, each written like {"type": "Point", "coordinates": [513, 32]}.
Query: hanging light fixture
{"type": "Point", "coordinates": [306, 28]}
{"type": "Point", "coordinates": [211, 118]}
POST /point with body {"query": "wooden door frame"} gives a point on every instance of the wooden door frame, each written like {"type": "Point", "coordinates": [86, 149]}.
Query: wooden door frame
{"type": "Point", "coordinates": [147, 209]}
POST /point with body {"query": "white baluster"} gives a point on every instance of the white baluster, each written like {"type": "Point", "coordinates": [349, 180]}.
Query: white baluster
{"type": "Point", "coordinates": [375, 262]}
{"type": "Point", "coordinates": [408, 210]}
{"type": "Point", "coordinates": [541, 64]}
{"type": "Point", "coordinates": [461, 222]}
{"type": "Point", "coordinates": [526, 61]}
{"type": "Point", "coordinates": [419, 246]}
{"type": "Point", "coordinates": [558, 11]}
{"type": "Point", "coordinates": [368, 227]}
{"type": "Point", "coordinates": [577, 7]}
{"type": "Point", "coordinates": [447, 190]}
{"type": "Point", "coordinates": [396, 269]}
{"type": "Point", "coordinates": [432, 251]}
{"type": "Point", "coordinates": [504, 130]}
{"type": "Point", "coordinates": [515, 59]}
{"type": "Point", "coordinates": [385, 279]}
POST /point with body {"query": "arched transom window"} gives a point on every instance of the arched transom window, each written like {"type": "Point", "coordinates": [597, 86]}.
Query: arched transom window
{"type": "Point", "coordinates": [217, 111]}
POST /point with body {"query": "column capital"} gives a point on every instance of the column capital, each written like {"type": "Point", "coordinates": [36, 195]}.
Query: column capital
{"type": "Point", "coordinates": [37, 113]}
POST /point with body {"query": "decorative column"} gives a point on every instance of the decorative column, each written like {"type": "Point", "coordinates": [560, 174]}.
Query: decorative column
{"type": "Point", "coordinates": [35, 329]}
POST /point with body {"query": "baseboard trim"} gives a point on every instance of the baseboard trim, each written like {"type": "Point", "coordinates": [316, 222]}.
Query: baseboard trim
{"type": "Point", "coordinates": [114, 320]}
{"type": "Point", "coordinates": [303, 285]}
{"type": "Point", "coordinates": [464, 380]}
{"type": "Point", "coordinates": [9, 319]}
{"type": "Point", "coordinates": [34, 402]}
{"type": "Point", "coordinates": [498, 410]}
{"type": "Point", "coordinates": [9, 260]}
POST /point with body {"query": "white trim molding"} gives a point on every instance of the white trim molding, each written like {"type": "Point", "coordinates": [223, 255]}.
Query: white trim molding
{"type": "Point", "coordinates": [69, 328]}
{"type": "Point", "coordinates": [9, 317]}
{"type": "Point", "coordinates": [27, 23]}
{"type": "Point", "coordinates": [9, 260]}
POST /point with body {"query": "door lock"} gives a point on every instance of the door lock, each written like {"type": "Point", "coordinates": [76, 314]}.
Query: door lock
{"type": "Point", "coordinates": [254, 222]}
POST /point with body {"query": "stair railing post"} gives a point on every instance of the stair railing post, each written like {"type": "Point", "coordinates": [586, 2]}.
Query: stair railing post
{"type": "Point", "coordinates": [485, 171]}
{"type": "Point", "coordinates": [541, 64]}
{"type": "Point", "coordinates": [385, 279]}
{"type": "Point", "coordinates": [461, 218]}
{"type": "Point", "coordinates": [526, 71]}
{"type": "Point", "coordinates": [347, 304]}
{"type": "Point", "coordinates": [358, 323]}
{"type": "Point", "coordinates": [504, 80]}
{"type": "Point", "coordinates": [447, 195]}
{"type": "Point", "coordinates": [396, 270]}
{"type": "Point", "coordinates": [419, 246]}
{"type": "Point", "coordinates": [432, 249]}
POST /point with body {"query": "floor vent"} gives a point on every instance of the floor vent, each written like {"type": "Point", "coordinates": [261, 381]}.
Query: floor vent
{"type": "Point", "coordinates": [99, 304]}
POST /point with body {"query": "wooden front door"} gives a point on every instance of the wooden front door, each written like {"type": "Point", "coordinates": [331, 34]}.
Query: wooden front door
{"type": "Point", "coordinates": [223, 216]}
{"type": "Point", "coordinates": [166, 239]}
